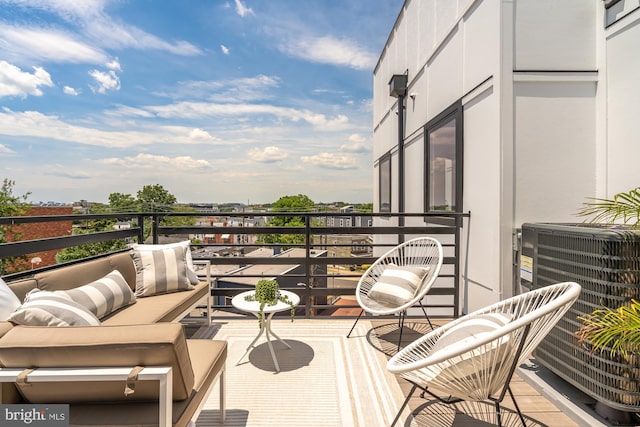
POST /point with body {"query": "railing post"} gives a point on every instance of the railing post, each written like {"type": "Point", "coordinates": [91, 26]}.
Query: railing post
{"type": "Point", "coordinates": [140, 228]}
{"type": "Point", "coordinates": [307, 267]}
{"type": "Point", "coordinates": [154, 227]}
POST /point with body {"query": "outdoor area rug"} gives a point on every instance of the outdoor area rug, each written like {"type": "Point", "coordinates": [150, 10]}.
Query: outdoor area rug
{"type": "Point", "coordinates": [325, 379]}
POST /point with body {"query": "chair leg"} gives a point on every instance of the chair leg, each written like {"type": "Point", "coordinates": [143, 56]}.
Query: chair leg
{"type": "Point", "coordinates": [402, 316]}
{"type": "Point", "coordinates": [498, 414]}
{"type": "Point", "coordinates": [404, 404]}
{"type": "Point", "coordinates": [426, 315]}
{"type": "Point", "coordinates": [354, 323]}
{"type": "Point", "coordinates": [515, 404]}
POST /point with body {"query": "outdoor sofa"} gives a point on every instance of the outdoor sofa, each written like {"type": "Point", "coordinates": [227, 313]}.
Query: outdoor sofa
{"type": "Point", "coordinates": [143, 333]}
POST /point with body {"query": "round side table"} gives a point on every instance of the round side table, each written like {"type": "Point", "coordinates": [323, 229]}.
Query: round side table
{"type": "Point", "coordinates": [241, 304]}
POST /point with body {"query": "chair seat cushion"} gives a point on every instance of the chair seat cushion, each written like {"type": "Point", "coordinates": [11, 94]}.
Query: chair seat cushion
{"type": "Point", "coordinates": [465, 373]}
{"type": "Point", "coordinates": [397, 285]}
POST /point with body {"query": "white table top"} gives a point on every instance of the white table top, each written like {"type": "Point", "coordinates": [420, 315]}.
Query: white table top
{"type": "Point", "coordinates": [239, 302]}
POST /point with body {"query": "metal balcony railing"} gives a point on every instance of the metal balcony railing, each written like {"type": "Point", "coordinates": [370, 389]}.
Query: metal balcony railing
{"type": "Point", "coordinates": [320, 260]}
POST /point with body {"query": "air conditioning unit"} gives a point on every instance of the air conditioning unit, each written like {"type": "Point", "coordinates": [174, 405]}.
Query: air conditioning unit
{"type": "Point", "coordinates": [606, 262]}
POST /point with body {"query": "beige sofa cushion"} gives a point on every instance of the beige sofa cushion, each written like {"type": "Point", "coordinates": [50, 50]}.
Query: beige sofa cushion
{"type": "Point", "coordinates": [158, 308]}
{"type": "Point", "coordinates": [22, 287]}
{"type": "Point", "coordinates": [162, 344]}
{"type": "Point", "coordinates": [208, 358]}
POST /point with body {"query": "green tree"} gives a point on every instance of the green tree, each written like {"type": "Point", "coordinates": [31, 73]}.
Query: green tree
{"type": "Point", "coordinates": [10, 205]}
{"type": "Point", "coordinates": [155, 198]}
{"type": "Point", "coordinates": [119, 202]}
{"type": "Point", "coordinates": [293, 204]}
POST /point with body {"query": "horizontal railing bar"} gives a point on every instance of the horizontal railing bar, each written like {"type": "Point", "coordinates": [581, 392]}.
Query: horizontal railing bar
{"type": "Point", "coordinates": [13, 220]}
{"type": "Point", "coordinates": [40, 245]}
{"type": "Point", "coordinates": [302, 230]}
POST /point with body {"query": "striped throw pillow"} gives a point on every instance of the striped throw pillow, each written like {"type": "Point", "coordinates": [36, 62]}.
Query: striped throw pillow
{"type": "Point", "coordinates": [191, 271]}
{"type": "Point", "coordinates": [104, 296]}
{"type": "Point", "coordinates": [397, 285]}
{"type": "Point", "coordinates": [43, 308]}
{"type": "Point", "coordinates": [160, 271]}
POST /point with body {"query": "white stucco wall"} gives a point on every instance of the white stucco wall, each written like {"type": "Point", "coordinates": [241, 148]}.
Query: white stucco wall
{"type": "Point", "coordinates": [549, 98]}
{"type": "Point", "coordinates": [555, 35]}
{"type": "Point", "coordinates": [623, 92]}
{"type": "Point", "coordinates": [555, 149]}
{"type": "Point", "coordinates": [458, 56]}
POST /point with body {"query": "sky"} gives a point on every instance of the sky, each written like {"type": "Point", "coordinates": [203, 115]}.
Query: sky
{"type": "Point", "coordinates": [216, 100]}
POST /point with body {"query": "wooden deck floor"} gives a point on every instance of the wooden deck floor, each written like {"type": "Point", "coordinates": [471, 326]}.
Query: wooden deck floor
{"type": "Point", "coordinates": [537, 410]}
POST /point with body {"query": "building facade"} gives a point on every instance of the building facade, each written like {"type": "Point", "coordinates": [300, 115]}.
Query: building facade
{"type": "Point", "coordinates": [513, 110]}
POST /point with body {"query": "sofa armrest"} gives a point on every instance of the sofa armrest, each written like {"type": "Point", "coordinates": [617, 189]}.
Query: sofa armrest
{"type": "Point", "coordinates": [52, 375]}
{"type": "Point", "coordinates": [162, 344]}
{"type": "Point", "coordinates": [207, 269]}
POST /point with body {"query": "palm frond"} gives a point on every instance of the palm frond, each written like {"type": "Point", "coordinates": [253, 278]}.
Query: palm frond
{"type": "Point", "coordinates": [617, 330]}
{"type": "Point", "coordinates": [623, 207]}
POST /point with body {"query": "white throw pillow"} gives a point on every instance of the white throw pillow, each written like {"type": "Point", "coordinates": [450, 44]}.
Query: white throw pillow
{"type": "Point", "coordinates": [397, 284]}
{"type": "Point", "coordinates": [191, 270]}
{"type": "Point", "coordinates": [8, 301]}
{"type": "Point", "coordinates": [160, 270]}
{"type": "Point", "coordinates": [43, 308]}
{"type": "Point", "coordinates": [103, 296]}
{"type": "Point", "coordinates": [462, 335]}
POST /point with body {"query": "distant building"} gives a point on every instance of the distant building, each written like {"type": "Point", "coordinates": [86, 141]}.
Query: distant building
{"type": "Point", "coordinates": [39, 230]}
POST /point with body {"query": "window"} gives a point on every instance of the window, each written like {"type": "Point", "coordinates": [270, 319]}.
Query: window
{"type": "Point", "coordinates": [443, 172]}
{"type": "Point", "coordinates": [384, 170]}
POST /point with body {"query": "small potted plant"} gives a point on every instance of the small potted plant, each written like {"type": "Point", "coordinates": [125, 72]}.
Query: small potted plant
{"type": "Point", "coordinates": [267, 294]}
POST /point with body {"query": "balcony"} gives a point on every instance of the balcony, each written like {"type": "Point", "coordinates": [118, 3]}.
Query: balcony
{"type": "Point", "coordinates": [322, 267]}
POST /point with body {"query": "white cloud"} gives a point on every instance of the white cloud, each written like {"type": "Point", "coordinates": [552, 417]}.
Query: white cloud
{"type": "Point", "coordinates": [129, 112]}
{"type": "Point", "coordinates": [152, 161]}
{"type": "Point", "coordinates": [6, 150]}
{"type": "Point", "coordinates": [26, 45]}
{"type": "Point", "coordinates": [71, 91]}
{"type": "Point", "coordinates": [242, 10]}
{"type": "Point", "coordinates": [64, 172]}
{"type": "Point", "coordinates": [105, 81]}
{"type": "Point", "coordinates": [94, 26]}
{"type": "Point", "coordinates": [15, 82]}
{"type": "Point", "coordinates": [230, 90]}
{"type": "Point", "coordinates": [357, 144]}
{"type": "Point", "coordinates": [195, 110]}
{"type": "Point", "coordinates": [329, 50]}
{"type": "Point", "coordinates": [114, 65]}
{"type": "Point", "coordinates": [331, 161]}
{"type": "Point", "coordinates": [38, 125]}
{"type": "Point", "coordinates": [224, 49]}
{"type": "Point", "coordinates": [267, 155]}
{"type": "Point", "coordinates": [201, 135]}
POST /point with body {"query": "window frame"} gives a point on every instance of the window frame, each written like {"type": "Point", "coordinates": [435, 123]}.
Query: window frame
{"type": "Point", "coordinates": [452, 112]}
{"type": "Point", "coordinates": [384, 163]}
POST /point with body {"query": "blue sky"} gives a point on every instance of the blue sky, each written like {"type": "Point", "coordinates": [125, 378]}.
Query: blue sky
{"type": "Point", "coordinates": [223, 101]}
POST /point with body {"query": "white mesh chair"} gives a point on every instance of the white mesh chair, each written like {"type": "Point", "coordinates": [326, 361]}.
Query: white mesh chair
{"type": "Point", "coordinates": [474, 357]}
{"type": "Point", "coordinates": [400, 279]}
